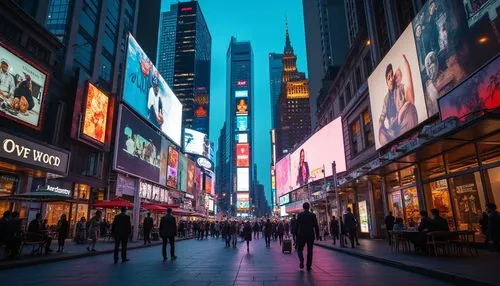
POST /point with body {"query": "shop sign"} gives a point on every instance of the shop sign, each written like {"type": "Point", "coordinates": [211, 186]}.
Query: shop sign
{"type": "Point", "coordinates": [57, 189]}
{"type": "Point", "coordinates": [285, 199]}
{"type": "Point", "coordinates": [204, 163]}
{"type": "Point", "coordinates": [36, 155]}
{"type": "Point", "coordinates": [189, 196]}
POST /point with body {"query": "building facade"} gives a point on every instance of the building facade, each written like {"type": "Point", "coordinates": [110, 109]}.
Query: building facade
{"type": "Point", "coordinates": [275, 74]}
{"type": "Point", "coordinates": [186, 66]}
{"type": "Point", "coordinates": [222, 172]}
{"type": "Point", "coordinates": [148, 23]}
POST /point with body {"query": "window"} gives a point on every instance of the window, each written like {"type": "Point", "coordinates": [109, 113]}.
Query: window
{"type": "Point", "coordinates": [367, 128]}
{"type": "Point", "coordinates": [358, 77]}
{"type": "Point", "coordinates": [438, 197]}
{"type": "Point", "coordinates": [356, 137]}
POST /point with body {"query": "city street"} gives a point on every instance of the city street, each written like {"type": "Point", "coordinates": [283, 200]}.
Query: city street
{"type": "Point", "coordinates": [209, 263]}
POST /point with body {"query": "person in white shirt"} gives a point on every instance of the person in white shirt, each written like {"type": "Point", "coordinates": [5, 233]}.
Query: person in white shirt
{"type": "Point", "coordinates": [7, 84]}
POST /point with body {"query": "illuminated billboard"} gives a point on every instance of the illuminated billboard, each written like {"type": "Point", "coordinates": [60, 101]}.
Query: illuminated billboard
{"type": "Point", "coordinates": [96, 114]}
{"type": "Point", "coordinates": [145, 91]}
{"type": "Point", "coordinates": [23, 87]}
{"type": "Point", "coordinates": [208, 184]}
{"type": "Point", "coordinates": [140, 150]}
{"type": "Point", "coordinates": [191, 169]}
{"type": "Point", "coordinates": [241, 93]}
{"type": "Point", "coordinates": [241, 123]}
{"type": "Point", "coordinates": [242, 179]}
{"type": "Point", "coordinates": [396, 95]}
{"type": "Point", "coordinates": [242, 205]}
{"type": "Point", "coordinates": [173, 163]}
{"type": "Point", "coordinates": [243, 196]}
{"type": "Point", "coordinates": [242, 138]}
{"type": "Point", "coordinates": [242, 155]}
{"type": "Point", "coordinates": [241, 106]}
{"type": "Point", "coordinates": [282, 171]}
{"type": "Point", "coordinates": [308, 161]}
{"type": "Point", "coordinates": [196, 142]}
{"type": "Point", "coordinates": [182, 173]}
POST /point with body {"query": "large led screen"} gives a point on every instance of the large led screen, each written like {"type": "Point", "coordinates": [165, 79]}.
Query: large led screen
{"type": "Point", "coordinates": [479, 92]}
{"type": "Point", "coordinates": [242, 155]}
{"type": "Point", "coordinates": [283, 176]}
{"type": "Point", "coordinates": [319, 151]}
{"type": "Point", "coordinates": [145, 91]}
{"type": "Point", "coordinates": [241, 123]}
{"type": "Point", "coordinates": [197, 179]}
{"type": "Point", "coordinates": [242, 205]}
{"type": "Point", "coordinates": [190, 176]}
{"type": "Point", "coordinates": [96, 114]}
{"type": "Point", "coordinates": [242, 179]}
{"type": "Point", "coordinates": [173, 163]}
{"type": "Point", "coordinates": [396, 94]}
{"type": "Point", "coordinates": [241, 93]}
{"type": "Point", "coordinates": [182, 173]}
{"type": "Point", "coordinates": [453, 39]}
{"type": "Point", "coordinates": [140, 151]}
{"type": "Point", "coordinates": [208, 184]}
{"type": "Point", "coordinates": [23, 87]}
{"type": "Point", "coordinates": [196, 142]}
{"type": "Point", "coordinates": [242, 138]}
{"type": "Point", "coordinates": [241, 106]}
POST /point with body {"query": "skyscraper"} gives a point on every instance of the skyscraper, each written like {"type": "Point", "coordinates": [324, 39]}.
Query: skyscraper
{"type": "Point", "coordinates": [275, 73]}
{"type": "Point", "coordinates": [184, 53]}
{"type": "Point", "coordinates": [239, 122]}
{"type": "Point", "coordinates": [148, 21]}
{"type": "Point", "coordinates": [295, 116]}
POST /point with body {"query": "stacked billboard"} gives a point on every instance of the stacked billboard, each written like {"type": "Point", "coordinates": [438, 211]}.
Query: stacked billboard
{"type": "Point", "coordinates": [196, 142]}
{"type": "Point", "coordinates": [96, 114]}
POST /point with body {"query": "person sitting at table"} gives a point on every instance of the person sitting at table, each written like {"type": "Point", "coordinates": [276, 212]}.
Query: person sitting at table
{"type": "Point", "coordinates": [439, 222]}
{"type": "Point", "coordinates": [426, 223]}
{"type": "Point", "coordinates": [36, 232]}
{"type": "Point", "coordinates": [399, 225]}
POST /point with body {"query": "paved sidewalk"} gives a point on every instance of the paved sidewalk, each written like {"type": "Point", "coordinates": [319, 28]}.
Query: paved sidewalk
{"type": "Point", "coordinates": [71, 250]}
{"type": "Point", "coordinates": [477, 270]}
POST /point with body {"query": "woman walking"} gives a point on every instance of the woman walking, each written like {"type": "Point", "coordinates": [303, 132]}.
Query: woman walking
{"type": "Point", "coordinates": [81, 231]}
{"type": "Point", "coordinates": [94, 226]}
{"type": "Point", "coordinates": [247, 234]}
{"type": "Point", "coordinates": [62, 232]}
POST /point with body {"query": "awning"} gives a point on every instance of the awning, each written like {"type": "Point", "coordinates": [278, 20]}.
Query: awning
{"type": "Point", "coordinates": [114, 203]}
{"type": "Point", "coordinates": [197, 214]}
{"type": "Point", "coordinates": [45, 196]}
{"type": "Point", "coordinates": [154, 208]}
{"type": "Point", "coordinates": [182, 212]}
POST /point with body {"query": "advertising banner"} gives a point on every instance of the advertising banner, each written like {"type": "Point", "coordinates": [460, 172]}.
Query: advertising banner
{"type": "Point", "coordinates": [242, 205]}
{"type": "Point", "coordinates": [196, 142]}
{"type": "Point", "coordinates": [191, 169]}
{"type": "Point", "coordinates": [140, 151]}
{"type": "Point", "coordinates": [124, 185]}
{"type": "Point", "coordinates": [241, 93]}
{"type": "Point", "coordinates": [396, 94]}
{"type": "Point", "coordinates": [453, 39]}
{"type": "Point", "coordinates": [242, 138]}
{"type": "Point", "coordinates": [241, 106]}
{"type": "Point", "coordinates": [477, 93]}
{"type": "Point", "coordinates": [198, 180]}
{"type": "Point", "coordinates": [242, 179]}
{"type": "Point", "coordinates": [283, 176]}
{"type": "Point", "coordinates": [363, 217]}
{"type": "Point", "coordinates": [173, 163]}
{"type": "Point", "coordinates": [242, 155]}
{"type": "Point", "coordinates": [201, 103]}
{"type": "Point", "coordinates": [208, 184]}
{"type": "Point", "coordinates": [145, 91]}
{"type": "Point", "coordinates": [241, 123]}
{"type": "Point", "coordinates": [182, 173]}
{"type": "Point", "coordinates": [319, 151]}
{"type": "Point", "coordinates": [23, 87]}
{"type": "Point", "coordinates": [96, 114]}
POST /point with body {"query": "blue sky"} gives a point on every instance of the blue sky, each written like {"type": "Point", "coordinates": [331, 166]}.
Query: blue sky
{"type": "Point", "coordinates": [262, 22]}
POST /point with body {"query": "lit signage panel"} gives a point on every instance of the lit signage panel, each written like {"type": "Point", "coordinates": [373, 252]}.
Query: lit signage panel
{"type": "Point", "coordinates": [191, 169]}
{"type": "Point", "coordinates": [241, 106]}
{"type": "Point", "coordinates": [242, 138]}
{"type": "Point", "coordinates": [173, 163]}
{"type": "Point", "coordinates": [363, 217]}
{"type": "Point", "coordinates": [396, 94]}
{"type": "Point", "coordinates": [182, 173]}
{"type": "Point", "coordinates": [208, 184]}
{"type": "Point", "coordinates": [242, 179]}
{"type": "Point", "coordinates": [241, 123]}
{"type": "Point", "coordinates": [283, 175]}
{"type": "Point", "coordinates": [196, 142]}
{"type": "Point", "coordinates": [242, 205]}
{"type": "Point", "coordinates": [23, 87]}
{"type": "Point", "coordinates": [145, 91]}
{"type": "Point", "coordinates": [243, 196]}
{"type": "Point", "coordinates": [242, 155]}
{"type": "Point", "coordinates": [284, 199]}
{"type": "Point", "coordinates": [96, 114]}
{"type": "Point", "coordinates": [241, 93]}
{"type": "Point", "coordinates": [308, 161]}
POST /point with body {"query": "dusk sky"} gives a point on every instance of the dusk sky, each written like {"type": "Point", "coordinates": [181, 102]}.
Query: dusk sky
{"type": "Point", "coordinates": [262, 22]}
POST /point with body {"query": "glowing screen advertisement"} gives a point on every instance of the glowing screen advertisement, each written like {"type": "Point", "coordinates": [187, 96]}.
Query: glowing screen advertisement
{"type": "Point", "coordinates": [23, 88]}
{"type": "Point", "coordinates": [242, 179]}
{"type": "Point", "coordinates": [363, 217]}
{"type": "Point", "coordinates": [241, 123]}
{"type": "Point", "coordinates": [242, 205]}
{"type": "Point", "coordinates": [318, 152]}
{"type": "Point", "coordinates": [182, 173]}
{"type": "Point", "coordinates": [242, 155]}
{"type": "Point", "coordinates": [283, 175]}
{"type": "Point", "coordinates": [241, 106]}
{"type": "Point", "coordinates": [241, 93]}
{"type": "Point", "coordinates": [196, 142]}
{"type": "Point", "coordinates": [96, 114]}
{"type": "Point", "coordinates": [173, 163]}
{"type": "Point", "coordinates": [145, 91]}
{"type": "Point", "coordinates": [396, 94]}
{"type": "Point", "coordinates": [191, 169]}
{"type": "Point", "coordinates": [242, 138]}
{"type": "Point", "coordinates": [140, 151]}
{"type": "Point", "coordinates": [208, 184]}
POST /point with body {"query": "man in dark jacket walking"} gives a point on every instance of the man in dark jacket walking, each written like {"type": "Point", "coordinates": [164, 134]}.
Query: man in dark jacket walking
{"type": "Point", "coordinates": [389, 225]}
{"type": "Point", "coordinates": [168, 231]}
{"type": "Point", "coordinates": [334, 229]}
{"type": "Point", "coordinates": [121, 230]}
{"type": "Point", "coordinates": [147, 226]}
{"type": "Point", "coordinates": [307, 231]}
{"type": "Point", "coordinates": [350, 225]}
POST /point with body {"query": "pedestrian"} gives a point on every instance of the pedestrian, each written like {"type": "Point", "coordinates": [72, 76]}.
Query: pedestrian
{"type": "Point", "coordinates": [286, 227]}
{"type": "Point", "coordinates": [334, 229]}
{"type": "Point", "coordinates": [307, 232]}
{"type": "Point", "coordinates": [15, 235]}
{"type": "Point", "coordinates": [93, 229]}
{"type": "Point", "coordinates": [207, 229]}
{"type": "Point", "coordinates": [483, 222]}
{"type": "Point", "coordinates": [201, 234]}
{"type": "Point", "coordinates": [293, 229]}
{"type": "Point", "coordinates": [247, 234]}
{"type": "Point", "coordinates": [168, 231]}
{"type": "Point", "coordinates": [439, 222]}
{"type": "Point", "coordinates": [281, 231]}
{"type": "Point", "coordinates": [81, 231]}
{"type": "Point", "coordinates": [389, 225]}
{"type": "Point", "coordinates": [268, 232]}
{"type": "Point", "coordinates": [226, 233]}
{"type": "Point", "coordinates": [217, 229]}
{"type": "Point", "coordinates": [121, 230]}
{"type": "Point", "coordinates": [234, 233]}
{"type": "Point", "coordinates": [255, 230]}
{"type": "Point", "coordinates": [493, 231]}
{"type": "Point", "coordinates": [5, 231]}
{"type": "Point", "coordinates": [36, 233]}
{"type": "Point", "coordinates": [147, 226]}
{"type": "Point", "coordinates": [350, 225]}
{"type": "Point", "coordinates": [62, 232]}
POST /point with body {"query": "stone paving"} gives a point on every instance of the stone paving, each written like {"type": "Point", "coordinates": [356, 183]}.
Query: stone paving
{"type": "Point", "coordinates": [207, 262]}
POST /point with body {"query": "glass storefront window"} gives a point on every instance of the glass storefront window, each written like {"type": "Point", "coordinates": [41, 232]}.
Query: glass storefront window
{"type": "Point", "coordinates": [462, 158]}
{"type": "Point", "coordinates": [412, 210]}
{"type": "Point", "coordinates": [8, 185]}
{"type": "Point", "coordinates": [432, 168]}
{"type": "Point", "coordinates": [468, 199]}
{"type": "Point", "coordinates": [493, 186]}
{"type": "Point", "coordinates": [437, 196]}
{"type": "Point", "coordinates": [396, 204]}
{"type": "Point", "coordinates": [4, 206]}
{"type": "Point", "coordinates": [407, 176]}
{"type": "Point", "coordinates": [84, 191]}
{"type": "Point", "coordinates": [54, 211]}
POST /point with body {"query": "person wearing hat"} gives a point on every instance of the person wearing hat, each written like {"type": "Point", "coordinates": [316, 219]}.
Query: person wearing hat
{"type": "Point", "coordinates": [7, 83]}
{"type": "Point", "coordinates": [23, 95]}
{"type": "Point", "coordinates": [121, 230]}
{"type": "Point", "coordinates": [155, 106]}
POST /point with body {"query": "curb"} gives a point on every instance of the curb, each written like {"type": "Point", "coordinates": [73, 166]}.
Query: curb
{"type": "Point", "coordinates": [51, 259]}
{"type": "Point", "coordinates": [441, 275]}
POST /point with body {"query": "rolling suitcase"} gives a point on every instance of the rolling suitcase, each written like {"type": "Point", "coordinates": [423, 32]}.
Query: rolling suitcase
{"type": "Point", "coordinates": [287, 246]}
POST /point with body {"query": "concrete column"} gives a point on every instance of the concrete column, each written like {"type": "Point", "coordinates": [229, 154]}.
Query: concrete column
{"type": "Point", "coordinates": [372, 218]}
{"type": "Point", "coordinates": [136, 211]}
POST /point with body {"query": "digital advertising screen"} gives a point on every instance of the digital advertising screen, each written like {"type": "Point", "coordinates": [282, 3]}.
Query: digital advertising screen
{"type": "Point", "coordinates": [243, 196]}
{"type": "Point", "coordinates": [191, 169]}
{"type": "Point", "coordinates": [241, 106]}
{"type": "Point", "coordinates": [242, 179]}
{"type": "Point", "coordinates": [454, 39]}
{"type": "Point", "coordinates": [241, 93]}
{"type": "Point", "coordinates": [242, 155]}
{"type": "Point", "coordinates": [145, 91]}
{"type": "Point", "coordinates": [283, 175]}
{"type": "Point", "coordinates": [242, 205]}
{"type": "Point", "coordinates": [196, 142]}
{"type": "Point", "coordinates": [479, 92]}
{"type": "Point", "coordinates": [201, 103]}
{"type": "Point", "coordinates": [182, 173]}
{"type": "Point", "coordinates": [173, 163]}
{"type": "Point", "coordinates": [139, 148]}
{"type": "Point", "coordinates": [23, 87]}
{"type": "Point", "coordinates": [396, 95]}
{"type": "Point", "coordinates": [242, 137]}
{"type": "Point", "coordinates": [308, 161]}
{"type": "Point", "coordinates": [241, 123]}
{"type": "Point", "coordinates": [363, 217]}
{"type": "Point", "coordinates": [96, 114]}
{"type": "Point", "coordinates": [208, 184]}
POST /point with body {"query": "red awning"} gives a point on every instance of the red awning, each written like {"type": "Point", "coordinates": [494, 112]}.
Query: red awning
{"type": "Point", "coordinates": [114, 203]}
{"type": "Point", "coordinates": [182, 212]}
{"type": "Point", "coordinates": [154, 208]}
